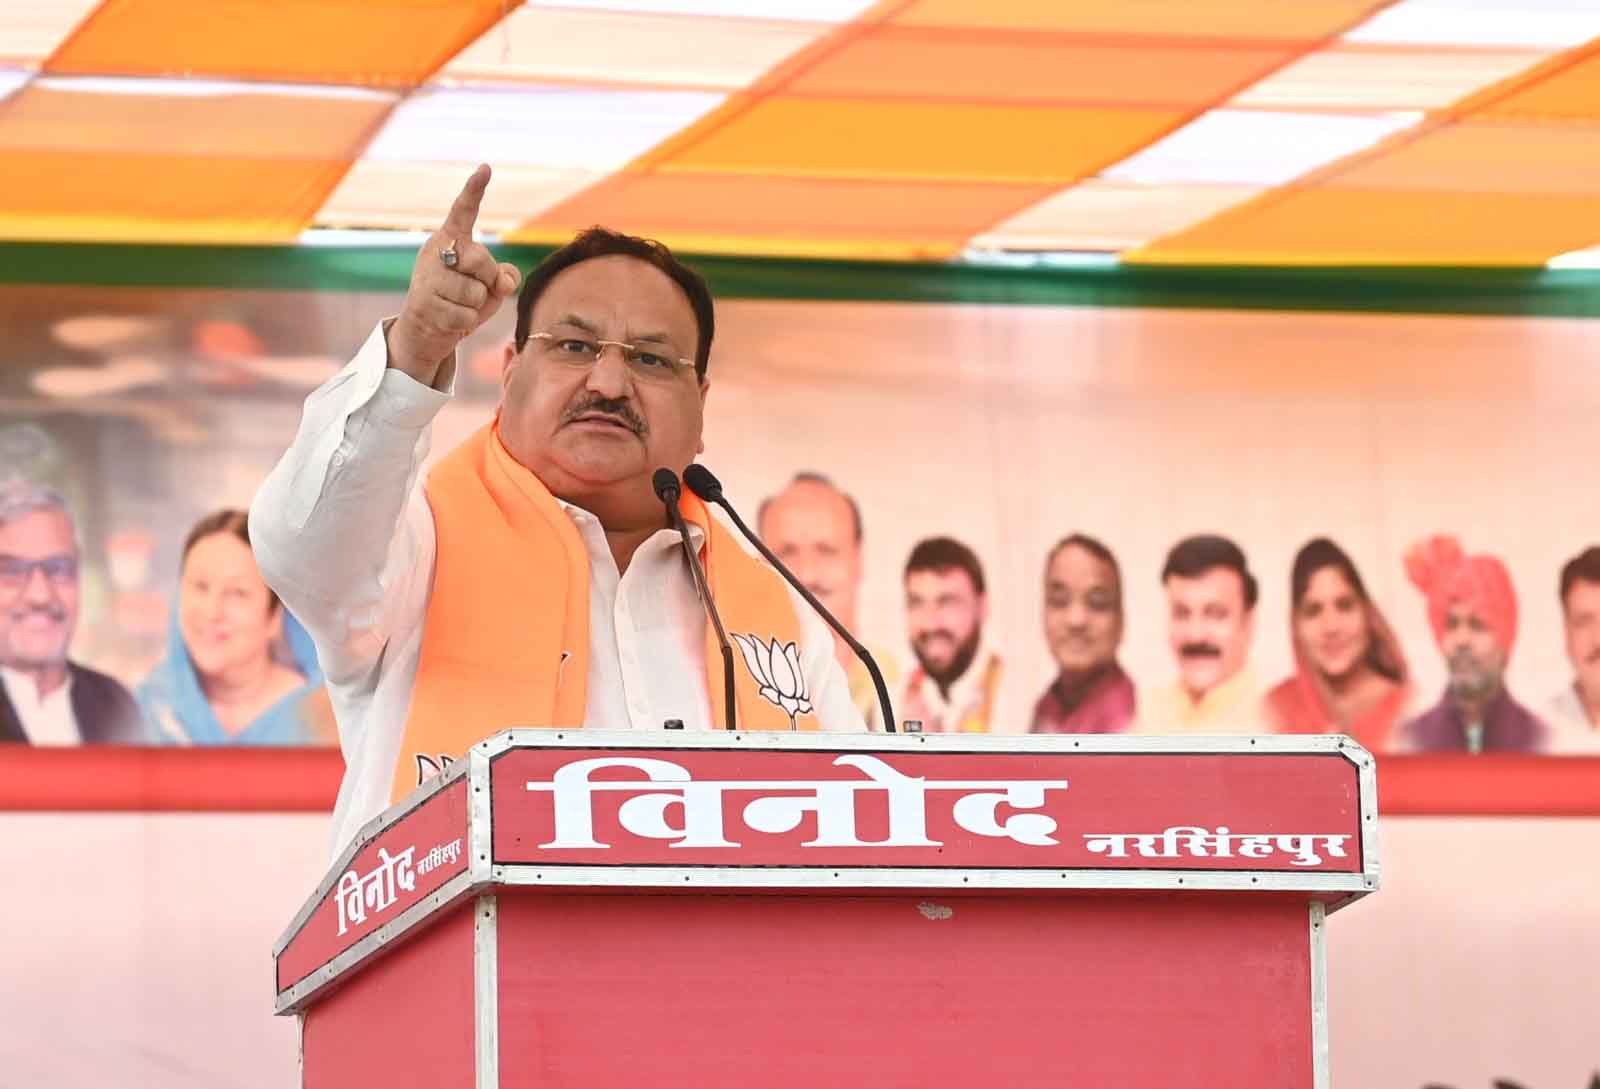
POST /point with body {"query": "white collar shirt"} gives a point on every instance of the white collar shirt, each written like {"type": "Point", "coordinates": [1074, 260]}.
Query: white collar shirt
{"type": "Point", "coordinates": [47, 720]}
{"type": "Point", "coordinates": [965, 697]}
{"type": "Point", "coordinates": [1571, 731]}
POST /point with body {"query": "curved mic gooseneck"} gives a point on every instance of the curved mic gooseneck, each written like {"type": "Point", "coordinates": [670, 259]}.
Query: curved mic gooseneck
{"type": "Point", "coordinates": [704, 483]}
{"type": "Point", "coordinates": [665, 482]}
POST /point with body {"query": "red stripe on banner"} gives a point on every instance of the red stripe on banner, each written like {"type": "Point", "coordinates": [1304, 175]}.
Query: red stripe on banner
{"type": "Point", "coordinates": [115, 779]}
{"type": "Point", "coordinates": [1489, 786]}
{"type": "Point", "coordinates": [307, 780]}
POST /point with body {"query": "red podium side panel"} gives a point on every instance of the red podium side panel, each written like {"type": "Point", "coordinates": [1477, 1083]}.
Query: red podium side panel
{"type": "Point", "coordinates": [406, 1019]}
{"type": "Point", "coordinates": [903, 991]}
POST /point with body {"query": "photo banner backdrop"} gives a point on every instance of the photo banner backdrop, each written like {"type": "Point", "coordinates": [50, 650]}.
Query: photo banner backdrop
{"type": "Point", "coordinates": [1006, 428]}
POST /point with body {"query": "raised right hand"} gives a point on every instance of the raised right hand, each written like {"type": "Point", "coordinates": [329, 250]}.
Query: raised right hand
{"type": "Point", "coordinates": [444, 304]}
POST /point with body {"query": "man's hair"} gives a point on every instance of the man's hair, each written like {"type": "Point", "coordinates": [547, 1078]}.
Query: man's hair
{"type": "Point", "coordinates": [1092, 546]}
{"type": "Point", "coordinates": [1584, 567]}
{"type": "Point", "coordinates": [943, 554]}
{"type": "Point", "coordinates": [231, 521]}
{"type": "Point", "coordinates": [1194, 556]}
{"type": "Point", "coordinates": [808, 477]}
{"type": "Point", "coordinates": [23, 497]}
{"type": "Point", "coordinates": [600, 242]}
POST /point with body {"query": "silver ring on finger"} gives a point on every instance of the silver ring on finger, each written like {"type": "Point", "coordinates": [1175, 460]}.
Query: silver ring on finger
{"type": "Point", "coordinates": [449, 255]}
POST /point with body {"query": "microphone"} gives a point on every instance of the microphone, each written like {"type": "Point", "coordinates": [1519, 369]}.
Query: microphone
{"type": "Point", "coordinates": [665, 482]}
{"type": "Point", "coordinates": [704, 483]}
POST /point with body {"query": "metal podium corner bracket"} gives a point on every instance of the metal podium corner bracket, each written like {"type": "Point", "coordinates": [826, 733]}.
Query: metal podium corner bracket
{"type": "Point", "coordinates": [480, 814]}
{"type": "Point", "coordinates": [486, 991]}
{"type": "Point", "coordinates": [1367, 792]}
{"type": "Point", "coordinates": [1321, 1074]}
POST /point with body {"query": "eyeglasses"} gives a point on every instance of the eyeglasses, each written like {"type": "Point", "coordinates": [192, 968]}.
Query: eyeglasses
{"type": "Point", "coordinates": [15, 571]}
{"type": "Point", "coordinates": [581, 353]}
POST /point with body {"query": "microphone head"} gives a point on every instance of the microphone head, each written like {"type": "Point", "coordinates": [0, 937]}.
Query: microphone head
{"type": "Point", "coordinates": [703, 482]}
{"type": "Point", "coordinates": [665, 482]}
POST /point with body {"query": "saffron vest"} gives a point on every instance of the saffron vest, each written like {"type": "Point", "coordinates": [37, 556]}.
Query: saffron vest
{"type": "Point", "coordinates": [505, 641]}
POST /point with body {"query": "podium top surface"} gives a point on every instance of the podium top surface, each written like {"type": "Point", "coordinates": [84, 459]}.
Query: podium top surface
{"type": "Point", "coordinates": [840, 813]}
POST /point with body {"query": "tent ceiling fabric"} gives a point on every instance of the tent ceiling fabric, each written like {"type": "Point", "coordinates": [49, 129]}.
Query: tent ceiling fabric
{"type": "Point", "coordinates": [1166, 131]}
{"type": "Point", "coordinates": [1509, 177]}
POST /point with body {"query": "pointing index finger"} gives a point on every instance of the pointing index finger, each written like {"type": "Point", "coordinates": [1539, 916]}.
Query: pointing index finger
{"type": "Point", "coordinates": [463, 215]}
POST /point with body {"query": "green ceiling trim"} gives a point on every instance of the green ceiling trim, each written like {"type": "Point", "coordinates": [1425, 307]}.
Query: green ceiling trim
{"type": "Point", "coordinates": [1417, 290]}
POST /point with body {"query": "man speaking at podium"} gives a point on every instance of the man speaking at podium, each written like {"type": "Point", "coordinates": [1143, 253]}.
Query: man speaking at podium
{"type": "Point", "coordinates": [531, 578]}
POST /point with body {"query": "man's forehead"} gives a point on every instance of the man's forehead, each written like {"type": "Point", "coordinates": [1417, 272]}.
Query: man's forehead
{"type": "Point", "coordinates": [1212, 584]}
{"type": "Point", "coordinates": [1462, 608]}
{"type": "Point", "coordinates": [940, 580]}
{"type": "Point", "coordinates": [806, 504]}
{"type": "Point", "coordinates": [38, 528]}
{"type": "Point", "coordinates": [1077, 564]}
{"type": "Point", "coordinates": [1585, 592]}
{"type": "Point", "coordinates": [603, 291]}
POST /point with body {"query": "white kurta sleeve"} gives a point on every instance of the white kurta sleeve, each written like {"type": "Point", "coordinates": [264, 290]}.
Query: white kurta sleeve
{"type": "Point", "coordinates": [340, 529]}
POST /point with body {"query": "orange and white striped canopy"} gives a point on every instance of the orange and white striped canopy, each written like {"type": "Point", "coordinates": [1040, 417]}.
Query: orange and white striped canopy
{"type": "Point", "coordinates": [1460, 132]}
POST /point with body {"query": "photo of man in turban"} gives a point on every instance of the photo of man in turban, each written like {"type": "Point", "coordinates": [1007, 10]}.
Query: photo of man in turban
{"type": "Point", "coordinates": [1472, 607]}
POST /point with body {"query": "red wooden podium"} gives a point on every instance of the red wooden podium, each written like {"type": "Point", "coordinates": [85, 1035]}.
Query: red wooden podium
{"type": "Point", "coordinates": [586, 909]}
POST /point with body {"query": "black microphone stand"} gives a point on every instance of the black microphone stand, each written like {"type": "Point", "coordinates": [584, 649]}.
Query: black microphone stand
{"type": "Point", "coordinates": [704, 483]}
{"type": "Point", "coordinates": [665, 482]}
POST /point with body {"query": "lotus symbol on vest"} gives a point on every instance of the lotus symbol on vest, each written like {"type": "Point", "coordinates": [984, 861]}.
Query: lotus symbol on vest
{"type": "Point", "coordinates": [776, 668]}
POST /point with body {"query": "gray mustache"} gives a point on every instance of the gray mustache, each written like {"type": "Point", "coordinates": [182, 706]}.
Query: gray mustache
{"type": "Point", "coordinates": [50, 612]}
{"type": "Point", "coordinates": [617, 408]}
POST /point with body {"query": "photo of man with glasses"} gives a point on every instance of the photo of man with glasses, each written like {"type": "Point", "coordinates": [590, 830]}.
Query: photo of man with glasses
{"type": "Point", "coordinates": [45, 699]}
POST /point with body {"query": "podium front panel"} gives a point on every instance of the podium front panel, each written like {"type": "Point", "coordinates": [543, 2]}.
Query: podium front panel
{"type": "Point", "coordinates": [799, 992]}
{"type": "Point", "coordinates": [402, 1020]}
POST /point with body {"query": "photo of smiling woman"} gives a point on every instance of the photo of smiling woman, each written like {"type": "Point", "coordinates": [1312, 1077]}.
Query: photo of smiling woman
{"type": "Point", "coordinates": [238, 667]}
{"type": "Point", "coordinates": [1350, 675]}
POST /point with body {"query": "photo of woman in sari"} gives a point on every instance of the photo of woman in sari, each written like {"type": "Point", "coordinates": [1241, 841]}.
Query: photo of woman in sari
{"type": "Point", "coordinates": [238, 668]}
{"type": "Point", "coordinates": [1350, 675]}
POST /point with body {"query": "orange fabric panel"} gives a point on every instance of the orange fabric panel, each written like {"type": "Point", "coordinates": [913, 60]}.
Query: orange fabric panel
{"type": "Point", "coordinates": [1567, 93]}
{"type": "Point", "coordinates": [1332, 226]}
{"type": "Point", "coordinates": [899, 97]}
{"type": "Point", "coordinates": [88, 197]}
{"type": "Point", "coordinates": [1306, 20]}
{"type": "Point", "coordinates": [733, 213]}
{"type": "Point", "coordinates": [879, 139]}
{"type": "Point", "coordinates": [1505, 177]}
{"type": "Point", "coordinates": [397, 43]}
{"type": "Point", "coordinates": [909, 63]}
{"type": "Point", "coordinates": [57, 116]}
{"type": "Point", "coordinates": [89, 165]}
{"type": "Point", "coordinates": [1486, 157]}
